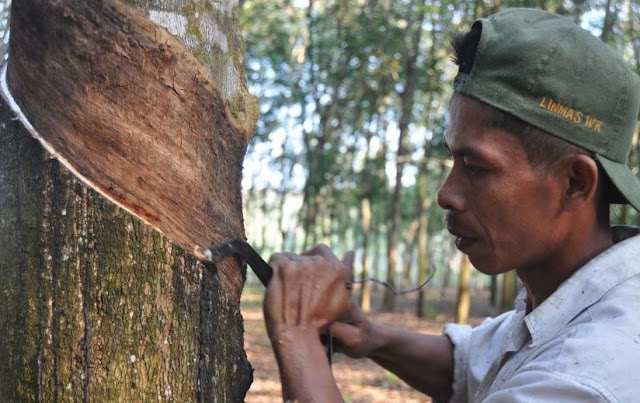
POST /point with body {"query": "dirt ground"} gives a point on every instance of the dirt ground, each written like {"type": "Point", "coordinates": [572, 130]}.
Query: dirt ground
{"type": "Point", "coordinates": [359, 380]}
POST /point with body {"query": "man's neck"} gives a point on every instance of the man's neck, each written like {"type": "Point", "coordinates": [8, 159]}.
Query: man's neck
{"type": "Point", "coordinates": [543, 279]}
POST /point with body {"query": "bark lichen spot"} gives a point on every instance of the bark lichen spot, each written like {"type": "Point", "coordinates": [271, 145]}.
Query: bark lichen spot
{"type": "Point", "coordinates": [212, 35]}
{"type": "Point", "coordinates": [175, 23]}
{"type": "Point", "coordinates": [231, 80]}
{"type": "Point", "coordinates": [226, 6]}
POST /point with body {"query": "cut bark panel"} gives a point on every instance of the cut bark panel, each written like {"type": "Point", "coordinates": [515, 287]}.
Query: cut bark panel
{"type": "Point", "coordinates": [131, 112]}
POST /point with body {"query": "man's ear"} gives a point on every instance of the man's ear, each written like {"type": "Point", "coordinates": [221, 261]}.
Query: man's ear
{"type": "Point", "coordinates": [580, 173]}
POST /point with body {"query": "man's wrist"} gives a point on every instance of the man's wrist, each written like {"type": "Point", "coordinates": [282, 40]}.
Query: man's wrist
{"type": "Point", "coordinates": [304, 369]}
{"type": "Point", "coordinates": [282, 335]}
{"type": "Point", "coordinates": [379, 338]}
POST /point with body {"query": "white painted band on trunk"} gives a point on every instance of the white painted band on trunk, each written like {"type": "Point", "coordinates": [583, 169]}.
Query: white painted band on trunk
{"type": "Point", "coordinates": [6, 94]}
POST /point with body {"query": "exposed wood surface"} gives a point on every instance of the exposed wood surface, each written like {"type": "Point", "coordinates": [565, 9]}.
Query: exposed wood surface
{"type": "Point", "coordinates": [135, 115]}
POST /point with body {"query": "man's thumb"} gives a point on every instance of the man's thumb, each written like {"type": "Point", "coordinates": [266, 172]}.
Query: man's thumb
{"type": "Point", "coordinates": [347, 260]}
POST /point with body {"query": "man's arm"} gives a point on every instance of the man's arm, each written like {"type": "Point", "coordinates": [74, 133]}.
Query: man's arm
{"type": "Point", "coordinates": [306, 294]}
{"type": "Point", "coordinates": [305, 372]}
{"type": "Point", "coordinates": [423, 361]}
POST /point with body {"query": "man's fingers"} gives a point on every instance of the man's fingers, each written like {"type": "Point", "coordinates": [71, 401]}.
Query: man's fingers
{"type": "Point", "coordinates": [323, 251]}
{"type": "Point", "coordinates": [280, 285]}
{"type": "Point", "coordinates": [347, 261]}
{"type": "Point", "coordinates": [347, 337]}
{"type": "Point", "coordinates": [281, 258]}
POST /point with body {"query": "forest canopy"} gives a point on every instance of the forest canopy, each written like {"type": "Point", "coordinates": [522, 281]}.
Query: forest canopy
{"type": "Point", "coordinates": [353, 99]}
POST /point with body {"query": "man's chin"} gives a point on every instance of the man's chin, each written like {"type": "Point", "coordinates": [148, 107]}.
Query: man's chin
{"type": "Point", "coordinates": [486, 264]}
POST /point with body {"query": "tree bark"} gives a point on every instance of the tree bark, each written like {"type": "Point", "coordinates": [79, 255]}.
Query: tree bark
{"type": "Point", "coordinates": [495, 291]}
{"type": "Point", "coordinates": [409, 244]}
{"type": "Point", "coordinates": [407, 102]}
{"type": "Point", "coordinates": [478, 281]}
{"type": "Point", "coordinates": [610, 18]}
{"type": "Point", "coordinates": [509, 289]}
{"type": "Point", "coordinates": [95, 304]}
{"type": "Point", "coordinates": [464, 291]}
{"type": "Point", "coordinates": [365, 292]}
{"type": "Point", "coordinates": [423, 239]}
{"type": "Point", "coordinates": [446, 278]}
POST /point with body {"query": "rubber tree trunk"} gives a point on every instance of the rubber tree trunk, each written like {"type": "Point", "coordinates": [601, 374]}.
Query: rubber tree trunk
{"type": "Point", "coordinates": [407, 100]}
{"type": "Point", "coordinates": [495, 291]}
{"type": "Point", "coordinates": [423, 242]}
{"type": "Point", "coordinates": [463, 304]}
{"type": "Point", "coordinates": [94, 304]}
{"type": "Point", "coordinates": [365, 293]}
{"type": "Point", "coordinates": [509, 290]}
{"type": "Point", "coordinates": [446, 277]}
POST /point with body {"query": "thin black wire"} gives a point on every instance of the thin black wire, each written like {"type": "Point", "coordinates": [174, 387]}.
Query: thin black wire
{"type": "Point", "coordinates": [393, 290]}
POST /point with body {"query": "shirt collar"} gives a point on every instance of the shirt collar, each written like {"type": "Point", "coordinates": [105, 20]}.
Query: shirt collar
{"type": "Point", "coordinates": [586, 286]}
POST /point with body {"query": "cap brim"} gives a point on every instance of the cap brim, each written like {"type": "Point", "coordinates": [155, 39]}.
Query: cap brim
{"type": "Point", "coordinates": [624, 180]}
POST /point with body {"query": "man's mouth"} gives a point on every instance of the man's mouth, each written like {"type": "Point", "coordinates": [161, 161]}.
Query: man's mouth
{"type": "Point", "coordinates": [463, 238]}
{"type": "Point", "coordinates": [463, 243]}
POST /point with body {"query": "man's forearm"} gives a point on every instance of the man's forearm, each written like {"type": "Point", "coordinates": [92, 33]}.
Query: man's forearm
{"type": "Point", "coordinates": [305, 372]}
{"type": "Point", "coordinates": [423, 361]}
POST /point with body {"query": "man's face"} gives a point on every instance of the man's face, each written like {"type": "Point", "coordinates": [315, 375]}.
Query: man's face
{"type": "Point", "coordinates": [504, 214]}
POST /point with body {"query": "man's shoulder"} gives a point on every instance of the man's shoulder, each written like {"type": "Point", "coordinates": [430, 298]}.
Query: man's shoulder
{"type": "Point", "coordinates": [605, 357]}
{"type": "Point", "coordinates": [600, 349]}
{"type": "Point", "coordinates": [608, 331]}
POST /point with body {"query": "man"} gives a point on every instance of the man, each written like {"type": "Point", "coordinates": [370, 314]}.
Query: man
{"type": "Point", "coordinates": [541, 124]}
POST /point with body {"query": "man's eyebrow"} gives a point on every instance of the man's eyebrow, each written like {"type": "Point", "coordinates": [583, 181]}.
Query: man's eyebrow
{"type": "Point", "coordinates": [466, 152]}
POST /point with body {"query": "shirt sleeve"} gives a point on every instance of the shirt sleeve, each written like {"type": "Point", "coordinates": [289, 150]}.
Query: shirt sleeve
{"type": "Point", "coordinates": [542, 387]}
{"type": "Point", "coordinates": [460, 336]}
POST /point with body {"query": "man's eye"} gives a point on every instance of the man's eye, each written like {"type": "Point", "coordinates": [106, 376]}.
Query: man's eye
{"type": "Point", "coordinates": [473, 169]}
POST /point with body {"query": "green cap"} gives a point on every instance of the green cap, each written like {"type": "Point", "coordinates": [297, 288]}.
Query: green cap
{"type": "Point", "coordinates": [554, 75]}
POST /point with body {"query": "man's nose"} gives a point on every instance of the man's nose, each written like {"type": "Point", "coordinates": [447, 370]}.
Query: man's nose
{"type": "Point", "coordinates": [450, 196]}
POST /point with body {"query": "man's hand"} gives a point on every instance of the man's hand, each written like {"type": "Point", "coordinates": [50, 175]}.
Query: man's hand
{"type": "Point", "coordinates": [311, 293]}
{"type": "Point", "coordinates": [306, 294]}
{"type": "Point", "coordinates": [306, 291]}
{"type": "Point", "coordinates": [353, 333]}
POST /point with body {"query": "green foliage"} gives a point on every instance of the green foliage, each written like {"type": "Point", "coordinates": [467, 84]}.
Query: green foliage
{"type": "Point", "coordinates": [330, 75]}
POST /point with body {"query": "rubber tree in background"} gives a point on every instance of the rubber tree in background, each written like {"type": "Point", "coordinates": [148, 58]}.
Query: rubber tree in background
{"type": "Point", "coordinates": [463, 305]}
{"type": "Point", "coordinates": [414, 31]}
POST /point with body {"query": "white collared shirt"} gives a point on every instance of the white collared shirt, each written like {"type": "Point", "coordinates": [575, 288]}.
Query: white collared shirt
{"type": "Point", "coordinates": [582, 344]}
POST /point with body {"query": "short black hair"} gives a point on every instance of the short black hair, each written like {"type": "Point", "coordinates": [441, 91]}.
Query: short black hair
{"type": "Point", "coordinates": [542, 148]}
{"type": "Point", "coordinates": [465, 47]}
